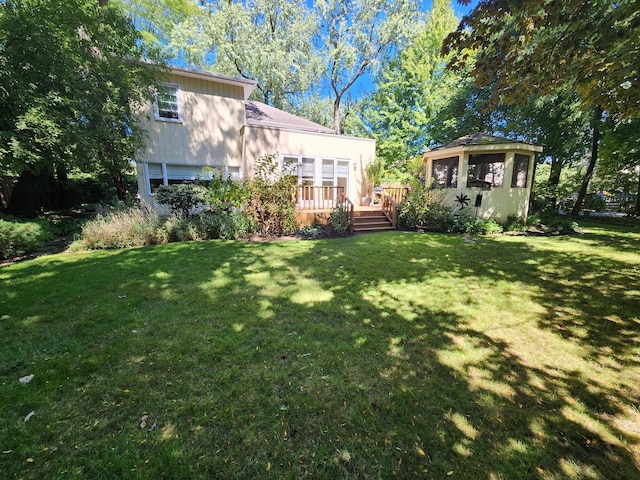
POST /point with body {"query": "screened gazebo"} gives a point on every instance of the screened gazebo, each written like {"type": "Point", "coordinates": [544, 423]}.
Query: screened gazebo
{"type": "Point", "coordinates": [490, 175]}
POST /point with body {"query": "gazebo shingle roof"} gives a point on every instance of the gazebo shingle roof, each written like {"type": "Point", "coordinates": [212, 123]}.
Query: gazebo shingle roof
{"type": "Point", "coordinates": [478, 138]}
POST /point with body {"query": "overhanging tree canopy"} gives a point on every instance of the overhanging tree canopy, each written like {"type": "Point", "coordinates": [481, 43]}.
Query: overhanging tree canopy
{"type": "Point", "coordinates": [70, 80]}
{"type": "Point", "coordinates": [537, 46]}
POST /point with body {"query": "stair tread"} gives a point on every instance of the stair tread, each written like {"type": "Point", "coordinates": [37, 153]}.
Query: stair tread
{"type": "Point", "coordinates": [374, 229]}
{"type": "Point", "coordinates": [371, 219]}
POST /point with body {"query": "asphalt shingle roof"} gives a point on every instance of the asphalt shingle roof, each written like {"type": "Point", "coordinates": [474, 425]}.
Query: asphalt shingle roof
{"type": "Point", "coordinates": [261, 114]}
{"type": "Point", "coordinates": [477, 138]}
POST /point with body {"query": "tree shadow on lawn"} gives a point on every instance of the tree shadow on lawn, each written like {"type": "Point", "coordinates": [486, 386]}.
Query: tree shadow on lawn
{"type": "Point", "coordinates": [587, 304]}
{"type": "Point", "coordinates": [279, 361]}
{"type": "Point", "coordinates": [592, 300]}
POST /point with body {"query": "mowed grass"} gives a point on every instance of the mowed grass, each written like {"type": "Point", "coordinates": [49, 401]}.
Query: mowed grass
{"type": "Point", "coordinates": [377, 356]}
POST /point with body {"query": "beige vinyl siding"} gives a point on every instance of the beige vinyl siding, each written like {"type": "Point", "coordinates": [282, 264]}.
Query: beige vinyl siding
{"type": "Point", "coordinates": [259, 141]}
{"type": "Point", "coordinates": [212, 116]}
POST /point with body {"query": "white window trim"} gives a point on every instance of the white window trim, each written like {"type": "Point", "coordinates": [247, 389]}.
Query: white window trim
{"type": "Point", "coordinates": [317, 176]}
{"type": "Point", "coordinates": [178, 100]}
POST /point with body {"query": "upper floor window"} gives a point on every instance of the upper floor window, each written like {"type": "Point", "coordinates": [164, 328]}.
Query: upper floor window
{"type": "Point", "coordinates": [486, 169]}
{"type": "Point", "coordinates": [167, 106]}
{"type": "Point", "coordinates": [444, 172]}
{"type": "Point", "coordinates": [520, 171]}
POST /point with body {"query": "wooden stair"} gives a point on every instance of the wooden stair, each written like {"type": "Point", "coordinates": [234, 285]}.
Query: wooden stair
{"type": "Point", "coordinates": [370, 220]}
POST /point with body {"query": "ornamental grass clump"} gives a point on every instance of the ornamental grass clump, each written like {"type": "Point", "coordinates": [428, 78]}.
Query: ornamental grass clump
{"type": "Point", "coordinates": [130, 227]}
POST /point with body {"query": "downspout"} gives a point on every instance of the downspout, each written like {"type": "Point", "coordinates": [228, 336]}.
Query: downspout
{"type": "Point", "coordinates": [243, 150]}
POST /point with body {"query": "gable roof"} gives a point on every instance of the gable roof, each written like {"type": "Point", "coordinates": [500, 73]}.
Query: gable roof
{"type": "Point", "coordinates": [263, 115]}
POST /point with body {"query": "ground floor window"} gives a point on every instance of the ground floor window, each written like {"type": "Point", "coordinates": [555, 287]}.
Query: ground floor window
{"type": "Point", "coordinates": [520, 171]}
{"type": "Point", "coordinates": [486, 168]}
{"type": "Point", "coordinates": [444, 172]}
{"type": "Point", "coordinates": [158, 174]}
{"type": "Point", "coordinates": [320, 179]}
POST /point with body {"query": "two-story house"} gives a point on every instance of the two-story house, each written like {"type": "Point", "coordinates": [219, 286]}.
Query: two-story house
{"type": "Point", "coordinates": [202, 121]}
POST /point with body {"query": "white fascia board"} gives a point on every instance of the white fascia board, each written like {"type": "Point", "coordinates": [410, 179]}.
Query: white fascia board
{"type": "Point", "coordinates": [488, 148]}
{"type": "Point", "coordinates": [444, 153]}
{"type": "Point", "coordinates": [527, 147]}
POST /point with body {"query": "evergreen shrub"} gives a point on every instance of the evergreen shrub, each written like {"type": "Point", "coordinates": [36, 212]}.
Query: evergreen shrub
{"type": "Point", "coordinates": [18, 238]}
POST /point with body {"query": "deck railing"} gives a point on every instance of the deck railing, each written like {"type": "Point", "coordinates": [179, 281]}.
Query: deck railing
{"type": "Point", "coordinates": [390, 208]}
{"type": "Point", "coordinates": [312, 197]}
{"type": "Point", "coordinates": [348, 204]}
{"type": "Point", "coordinates": [398, 194]}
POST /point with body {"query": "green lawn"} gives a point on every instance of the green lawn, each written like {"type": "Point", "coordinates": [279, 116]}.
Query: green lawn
{"type": "Point", "coordinates": [377, 356]}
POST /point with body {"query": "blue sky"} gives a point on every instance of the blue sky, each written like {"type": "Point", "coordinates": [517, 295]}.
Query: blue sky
{"type": "Point", "coordinates": [365, 84]}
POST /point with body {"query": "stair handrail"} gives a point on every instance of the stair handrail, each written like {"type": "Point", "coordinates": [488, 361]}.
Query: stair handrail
{"type": "Point", "coordinates": [390, 209]}
{"type": "Point", "coordinates": [397, 193]}
{"type": "Point", "coordinates": [342, 198]}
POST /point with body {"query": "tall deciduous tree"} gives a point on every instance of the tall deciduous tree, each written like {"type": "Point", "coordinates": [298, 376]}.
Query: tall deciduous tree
{"type": "Point", "coordinates": [356, 36]}
{"type": "Point", "coordinates": [70, 80]}
{"type": "Point", "coordinates": [619, 167]}
{"type": "Point", "coordinates": [535, 47]}
{"type": "Point", "coordinates": [270, 41]}
{"type": "Point", "coordinates": [538, 48]}
{"type": "Point", "coordinates": [558, 122]}
{"type": "Point", "coordinates": [172, 28]}
{"type": "Point", "coordinates": [412, 89]}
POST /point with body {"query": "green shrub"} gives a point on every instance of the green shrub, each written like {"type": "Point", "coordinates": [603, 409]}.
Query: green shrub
{"type": "Point", "coordinates": [181, 198]}
{"type": "Point", "coordinates": [480, 226]}
{"type": "Point", "coordinates": [272, 194]}
{"type": "Point", "coordinates": [554, 224]}
{"type": "Point", "coordinates": [122, 228]}
{"type": "Point", "coordinates": [339, 220]}
{"type": "Point", "coordinates": [226, 193]}
{"type": "Point", "coordinates": [18, 238]}
{"type": "Point", "coordinates": [490, 226]}
{"type": "Point", "coordinates": [227, 225]}
{"type": "Point", "coordinates": [595, 202]}
{"type": "Point", "coordinates": [311, 231]}
{"type": "Point", "coordinates": [515, 223]}
{"type": "Point", "coordinates": [179, 229]}
{"type": "Point", "coordinates": [423, 208]}
{"type": "Point", "coordinates": [136, 227]}
{"type": "Point", "coordinates": [63, 225]}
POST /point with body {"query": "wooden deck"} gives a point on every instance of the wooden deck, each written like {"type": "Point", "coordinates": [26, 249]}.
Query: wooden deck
{"type": "Point", "coordinates": [315, 204]}
{"type": "Point", "coordinates": [365, 219]}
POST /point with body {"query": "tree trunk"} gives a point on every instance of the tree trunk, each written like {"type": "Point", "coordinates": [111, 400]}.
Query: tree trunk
{"type": "Point", "coordinates": [119, 182]}
{"type": "Point", "coordinates": [336, 114]}
{"type": "Point", "coordinates": [597, 118]}
{"type": "Point", "coordinates": [554, 180]}
{"type": "Point", "coordinates": [31, 194]}
{"type": "Point", "coordinates": [637, 206]}
{"type": "Point", "coordinates": [6, 187]}
{"type": "Point", "coordinates": [61, 194]}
